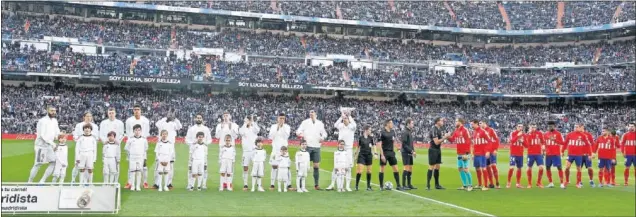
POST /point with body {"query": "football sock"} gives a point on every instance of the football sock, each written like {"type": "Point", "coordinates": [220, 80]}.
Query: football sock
{"type": "Point", "coordinates": [396, 175]}
{"type": "Point", "coordinates": [316, 176]}
{"type": "Point", "coordinates": [429, 175]}
{"type": "Point", "coordinates": [369, 180]}
{"type": "Point", "coordinates": [381, 177]}
{"type": "Point", "coordinates": [358, 176]}
{"type": "Point", "coordinates": [436, 176]}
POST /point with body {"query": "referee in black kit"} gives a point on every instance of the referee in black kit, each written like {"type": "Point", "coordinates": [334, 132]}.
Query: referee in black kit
{"type": "Point", "coordinates": [435, 153]}
{"type": "Point", "coordinates": [408, 153]}
{"type": "Point", "coordinates": [387, 154]}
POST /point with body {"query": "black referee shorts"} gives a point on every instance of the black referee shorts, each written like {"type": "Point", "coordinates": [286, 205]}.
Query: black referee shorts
{"type": "Point", "coordinates": [365, 159]}
{"type": "Point", "coordinates": [407, 159]}
{"type": "Point", "coordinates": [390, 159]}
{"type": "Point", "coordinates": [434, 156]}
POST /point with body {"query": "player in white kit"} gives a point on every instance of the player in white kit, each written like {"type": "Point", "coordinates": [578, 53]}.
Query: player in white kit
{"type": "Point", "coordinates": [226, 127]}
{"type": "Point", "coordinates": [198, 161]}
{"type": "Point", "coordinates": [138, 119]}
{"type": "Point", "coordinates": [172, 125]}
{"type": "Point", "coordinates": [258, 165]}
{"type": "Point", "coordinates": [228, 155]}
{"type": "Point", "coordinates": [164, 151]}
{"type": "Point", "coordinates": [111, 156]}
{"type": "Point", "coordinates": [346, 132]}
{"type": "Point", "coordinates": [61, 159]}
{"type": "Point", "coordinates": [137, 147]}
{"type": "Point", "coordinates": [112, 124]}
{"type": "Point", "coordinates": [249, 132]}
{"type": "Point", "coordinates": [341, 163]}
{"type": "Point", "coordinates": [279, 134]}
{"type": "Point", "coordinates": [77, 133]}
{"type": "Point", "coordinates": [191, 140]}
{"type": "Point", "coordinates": [283, 169]}
{"type": "Point", "coordinates": [47, 130]}
{"type": "Point", "coordinates": [85, 154]}
{"type": "Point", "coordinates": [302, 167]}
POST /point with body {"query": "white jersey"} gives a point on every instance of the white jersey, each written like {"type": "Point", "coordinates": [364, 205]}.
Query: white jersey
{"type": "Point", "coordinates": [228, 153]}
{"type": "Point", "coordinates": [79, 131]}
{"type": "Point", "coordinates": [313, 132]}
{"type": "Point", "coordinates": [87, 146]}
{"type": "Point", "coordinates": [283, 161]}
{"type": "Point", "coordinates": [172, 127]}
{"type": "Point", "coordinates": [346, 132]}
{"type": "Point", "coordinates": [61, 155]}
{"type": "Point", "coordinates": [302, 162]}
{"type": "Point", "coordinates": [106, 126]}
{"type": "Point", "coordinates": [137, 147]}
{"type": "Point", "coordinates": [259, 155]}
{"type": "Point", "coordinates": [191, 136]}
{"type": "Point", "coordinates": [47, 131]}
{"type": "Point", "coordinates": [222, 129]}
{"type": "Point", "coordinates": [199, 152]}
{"type": "Point", "coordinates": [340, 159]}
{"type": "Point", "coordinates": [145, 126]}
{"type": "Point", "coordinates": [164, 151]}
{"type": "Point", "coordinates": [111, 150]}
{"type": "Point", "coordinates": [249, 136]}
{"type": "Point", "coordinates": [279, 137]}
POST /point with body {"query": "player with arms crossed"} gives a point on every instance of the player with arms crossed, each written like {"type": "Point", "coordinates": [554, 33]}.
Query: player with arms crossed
{"type": "Point", "coordinates": [225, 127]}
{"type": "Point", "coordinates": [313, 131]}
{"type": "Point", "coordinates": [480, 153]}
{"type": "Point", "coordinates": [535, 144]}
{"type": "Point", "coordinates": [554, 149]}
{"type": "Point", "coordinates": [198, 161]}
{"type": "Point", "coordinates": [491, 162]}
{"type": "Point", "coordinates": [340, 163]}
{"type": "Point", "coordinates": [258, 165]}
{"type": "Point", "coordinates": [517, 147]}
{"type": "Point", "coordinates": [192, 140]}
{"type": "Point", "coordinates": [61, 159]}
{"type": "Point", "coordinates": [47, 130]}
{"type": "Point", "coordinates": [408, 153]}
{"type": "Point", "coordinates": [366, 152]}
{"type": "Point", "coordinates": [279, 134]}
{"type": "Point", "coordinates": [136, 147]}
{"type": "Point", "coordinates": [165, 153]}
{"type": "Point", "coordinates": [302, 168]}
{"type": "Point", "coordinates": [628, 148]}
{"type": "Point", "coordinates": [111, 155]}
{"type": "Point", "coordinates": [77, 134]}
{"type": "Point", "coordinates": [228, 155]}
{"type": "Point", "coordinates": [86, 153]}
{"type": "Point", "coordinates": [249, 132]}
{"type": "Point", "coordinates": [112, 124]}
{"type": "Point", "coordinates": [144, 124]}
{"type": "Point", "coordinates": [387, 153]}
{"type": "Point", "coordinates": [575, 144]}
{"type": "Point", "coordinates": [461, 138]}
{"type": "Point", "coordinates": [603, 147]}
{"type": "Point", "coordinates": [346, 132]}
{"type": "Point", "coordinates": [172, 125]}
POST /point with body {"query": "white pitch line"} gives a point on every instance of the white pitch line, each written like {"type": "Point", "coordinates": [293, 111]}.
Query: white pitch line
{"type": "Point", "coordinates": [431, 200]}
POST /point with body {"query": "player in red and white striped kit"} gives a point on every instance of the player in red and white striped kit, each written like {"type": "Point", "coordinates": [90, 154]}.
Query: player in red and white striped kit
{"type": "Point", "coordinates": [628, 148]}
{"type": "Point", "coordinates": [491, 167]}
{"type": "Point", "coordinates": [576, 145]}
{"type": "Point", "coordinates": [535, 144]}
{"type": "Point", "coordinates": [517, 146]}
{"type": "Point", "coordinates": [589, 156]}
{"type": "Point", "coordinates": [603, 147]}
{"type": "Point", "coordinates": [554, 149]}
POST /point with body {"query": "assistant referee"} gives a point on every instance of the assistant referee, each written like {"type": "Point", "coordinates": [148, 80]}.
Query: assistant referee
{"type": "Point", "coordinates": [435, 153]}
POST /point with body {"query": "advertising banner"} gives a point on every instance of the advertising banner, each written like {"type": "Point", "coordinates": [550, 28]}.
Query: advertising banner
{"type": "Point", "coordinates": [21, 198]}
{"type": "Point", "coordinates": [252, 84]}
{"type": "Point", "coordinates": [145, 80]}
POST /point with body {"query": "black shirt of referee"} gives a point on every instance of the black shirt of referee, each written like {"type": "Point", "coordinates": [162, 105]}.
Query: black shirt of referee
{"type": "Point", "coordinates": [387, 139]}
{"type": "Point", "coordinates": [435, 153]}
{"type": "Point", "coordinates": [365, 156]}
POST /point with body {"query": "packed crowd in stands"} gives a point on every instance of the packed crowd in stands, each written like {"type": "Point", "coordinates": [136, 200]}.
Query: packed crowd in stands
{"type": "Point", "coordinates": [525, 15]}
{"type": "Point", "coordinates": [23, 106]}
{"type": "Point", "coordinates": [124, 34]}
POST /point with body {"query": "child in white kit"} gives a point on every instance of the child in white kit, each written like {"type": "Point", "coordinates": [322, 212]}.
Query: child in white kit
{"type": "Point", "coordinates": [164, 151]}
{"type": "Point", "coordinates": [302, 167]}
{"type": "Point", "coordinates": [111, 157]}
{"type": "Point", "coordinates": [228, 155]}
{"type": "Point", "coordinates": [283, 168]}
{"type": "Point", "coordinates": [61, 159]}
{"type": "Point", "coordinates": [341, 161]}
{"type": "Point", "coordinates": [85, 154]}
{"type": "Point", "coordinates": [258, 165]}
{"type": "Point", "coordinates": [198, 161]}
{"type": "Point", "coordinates": [137, 146]}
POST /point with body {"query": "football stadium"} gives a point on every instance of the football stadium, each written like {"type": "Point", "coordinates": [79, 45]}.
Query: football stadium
{"type": "Point", "coordinates": [318, 108]}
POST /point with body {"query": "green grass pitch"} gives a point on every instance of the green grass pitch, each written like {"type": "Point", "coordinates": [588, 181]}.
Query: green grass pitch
{"type": "Point", "coordinates": [17, 159]}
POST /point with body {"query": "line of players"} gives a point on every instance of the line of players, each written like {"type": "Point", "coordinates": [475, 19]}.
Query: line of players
{"type": "Point", "coordinates": [551, 145]}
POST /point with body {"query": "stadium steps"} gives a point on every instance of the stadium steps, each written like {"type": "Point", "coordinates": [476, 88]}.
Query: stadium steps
{"type": "Point", "coordinates": [452, 13]}
{"type": "Point", "coordinates": [560, 14]}
{"type": "Point", "coordinates": [504, 15]}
